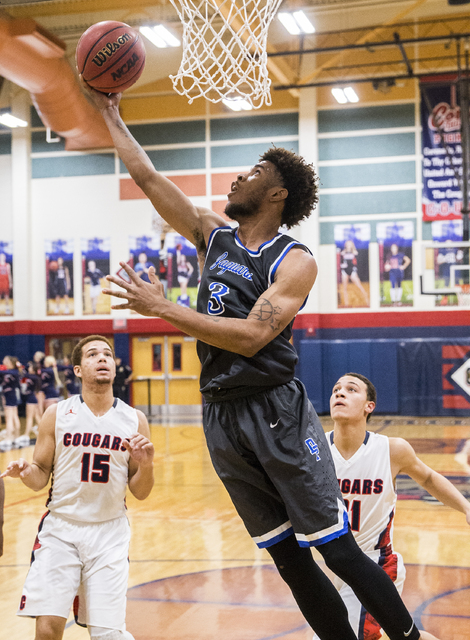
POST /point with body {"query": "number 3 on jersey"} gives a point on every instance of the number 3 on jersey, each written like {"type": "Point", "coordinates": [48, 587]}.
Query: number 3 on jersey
{"type": "Point", "coordinates": [215, 306]}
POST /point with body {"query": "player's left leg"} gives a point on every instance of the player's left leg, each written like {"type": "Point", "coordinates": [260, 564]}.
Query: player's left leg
{"type": "Point", "coordinates": [371, 585]}
{"type": "Point", "coordinates": [102, 593]}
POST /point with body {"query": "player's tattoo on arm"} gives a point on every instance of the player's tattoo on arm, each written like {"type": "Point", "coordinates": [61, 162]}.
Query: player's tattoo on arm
{"type": "Point", "coordinates": [265, 312]}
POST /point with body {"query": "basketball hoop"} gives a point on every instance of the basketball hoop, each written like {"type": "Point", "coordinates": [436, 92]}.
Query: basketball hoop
{"type": "Point", "coordinates": [224, 50]}
{"type": "Point", "coordinates": [463, 294]}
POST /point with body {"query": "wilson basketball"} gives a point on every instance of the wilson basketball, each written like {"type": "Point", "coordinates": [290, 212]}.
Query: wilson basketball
{"type": "Point", "coordinates": [53, 265]}
{"type": "Point", "coordinates": [110, 56]}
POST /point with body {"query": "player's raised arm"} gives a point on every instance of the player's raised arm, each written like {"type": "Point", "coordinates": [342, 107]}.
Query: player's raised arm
{"type": "Point", "coordinates": [405, 460]}
{"type": "Point", "coordinates": [272, 312]}
{"type": "Point", "coordinates": [194, 223]}
{"type": "Point", "coordinates": [141, 452]}
{"type": "Point", "coordinates": [36, 475]}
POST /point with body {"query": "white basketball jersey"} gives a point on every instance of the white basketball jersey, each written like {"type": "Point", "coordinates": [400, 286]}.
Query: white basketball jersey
{"type": "Point", "coordinates": [368, 490]}
{"type": "Point", "coordinates": [91, 466]}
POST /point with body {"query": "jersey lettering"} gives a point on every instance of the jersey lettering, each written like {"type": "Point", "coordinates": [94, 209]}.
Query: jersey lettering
{"type": "Point", "coordinates": [356, 487]}
{"type": "Point", "coordinates": [224, 265]}
{"type": "Point", "coordinates": [93, 439]}
{"type": "Point", "coordinates": [361, 487]}
{"type": "Point", "coordinates": [215, 306]}
{"type": "Point", "coordinates": [313, 448]}
{"type": "Point", "coordinates": [378, 485]}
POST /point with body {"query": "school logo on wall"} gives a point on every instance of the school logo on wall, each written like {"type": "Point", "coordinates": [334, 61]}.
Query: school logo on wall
{"type": "Point", "coordinates": [456, 376]}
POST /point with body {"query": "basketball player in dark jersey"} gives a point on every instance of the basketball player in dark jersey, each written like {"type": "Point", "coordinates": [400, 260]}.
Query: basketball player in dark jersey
{"type": "Point", "coordinates": [265, 440]}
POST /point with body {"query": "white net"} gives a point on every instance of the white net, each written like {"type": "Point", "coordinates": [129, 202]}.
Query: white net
{"type": "Point", "coordinates": [224, 49]}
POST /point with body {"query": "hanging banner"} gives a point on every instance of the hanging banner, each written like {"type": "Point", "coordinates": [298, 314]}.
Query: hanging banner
{"type": "Point", "coordinates": [352, 264]}
{"type": "Point", "coordinates": [442, 151]}
{"type": "Point", "coordinates": [183, 270]}
{"type": "Point", "coordinates": [395, 244]}
{"type": "Point", "coordinates": [95, 266]}
{"type": "Point", "coordinates": [59, 277]}
{"type": "Point", "coordinates": [144, 252]}
{"type": "Point", "coordinates": [6, 278]}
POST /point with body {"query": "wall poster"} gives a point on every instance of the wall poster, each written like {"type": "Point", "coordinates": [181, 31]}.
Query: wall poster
{"type": "Point", "coordinates": [59, 277]}
{"type": "Point", "coordinates": [95, 267]}
{"type": "Point", "coordinates": [352, 264]}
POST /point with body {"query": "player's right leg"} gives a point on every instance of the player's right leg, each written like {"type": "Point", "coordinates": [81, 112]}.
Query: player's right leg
{"type": "Point", "coordinates": [50, 627]}
{"type": "Point", "coordinates": [53, 578]}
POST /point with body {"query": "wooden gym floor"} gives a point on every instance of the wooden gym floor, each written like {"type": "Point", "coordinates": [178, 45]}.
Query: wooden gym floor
{"type": "Point", "coordinates": [195, 574]}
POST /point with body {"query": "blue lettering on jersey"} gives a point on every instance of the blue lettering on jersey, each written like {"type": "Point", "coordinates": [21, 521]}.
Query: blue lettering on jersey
{"type": "Point", "coordinates": [313, 448]}
{"type": "Point", "coordinates": [234, 267]}
{"type": "Point", "coordinates": [215, 306]}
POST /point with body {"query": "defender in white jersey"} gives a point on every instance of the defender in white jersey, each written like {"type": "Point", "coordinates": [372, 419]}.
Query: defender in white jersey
{"type": "Point", "coordinates": [367, 465]}
{"type": "Point", "coordinates": [93, 446]}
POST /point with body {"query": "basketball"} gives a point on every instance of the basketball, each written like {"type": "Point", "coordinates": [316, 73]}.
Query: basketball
{"type": "Point", "coordinates": [110, 56]}
{"type": "Point", "coordinates": [53, 266]}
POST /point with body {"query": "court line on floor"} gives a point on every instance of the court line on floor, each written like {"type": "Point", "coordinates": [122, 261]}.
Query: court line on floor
{"type": "Point", "coordinates": [420, 610]}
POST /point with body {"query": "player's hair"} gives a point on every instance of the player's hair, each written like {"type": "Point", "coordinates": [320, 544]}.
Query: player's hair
{"type": "Point", "coordinates": [371, 390]}
{"type": "Point", "coordinates": [300, 180]}
{"type": "Point", "coordinates": [78, 349]}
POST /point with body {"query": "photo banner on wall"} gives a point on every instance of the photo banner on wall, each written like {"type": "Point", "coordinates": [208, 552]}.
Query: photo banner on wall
{"type": "Point", "coordinates": [446, 258]}
{"type": "Point", "coordinates": [442, 151]}
{"type": "Point", "coordinates": [352, 264]}
{"type": "Point", "coordinates": [183, 270]}
{"type": "Point", "coordinates": [95, 267]}
{"type": "Point", "coordinates": [395, 242]}
{"type": "Point", "coordinates": [144, 252]}
{"type": "Point", "coordinates": [6, 278]}
{"type": "Point", "coordinates": [59, 277]}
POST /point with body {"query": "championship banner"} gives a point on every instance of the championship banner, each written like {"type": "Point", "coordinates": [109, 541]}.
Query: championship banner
{"type": "Point", "coordinates": [442, 151]}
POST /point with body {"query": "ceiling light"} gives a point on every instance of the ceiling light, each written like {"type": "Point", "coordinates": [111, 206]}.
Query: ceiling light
{"type": "Point", "coordinates": [289, 22]}
{"type": "Point", "coordinates": [11, 121]}
{"type": "Point", "coordinates": [160, 36]}
{"type": "Point", "coordinates": [237, 104]}
{"type": "Point", "coordinates": [350, 94]}
{"type": "Point", "coordinates": [345, 95]}
{"type": "Point", "coordinates": [303, 22]}
{"type": "Point", "coordinates": [296, 22]}
{"type": "Point", "coordinates": [168, 37]}
{"type": "Point", "coordinates": [339, 95]}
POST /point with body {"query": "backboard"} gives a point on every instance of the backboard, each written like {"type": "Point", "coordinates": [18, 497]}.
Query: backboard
{"type": "Point", "coordinates": [445, 266]}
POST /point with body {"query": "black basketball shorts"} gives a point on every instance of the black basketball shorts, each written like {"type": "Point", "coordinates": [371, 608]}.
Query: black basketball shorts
{"type": "Point", "coordinates": [270, 451]}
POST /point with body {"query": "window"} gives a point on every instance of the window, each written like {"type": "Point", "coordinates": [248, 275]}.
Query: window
{"type": "Point", "coordinates": [157, 357]}
{"type": "Point", "coordinates": [177, 357]}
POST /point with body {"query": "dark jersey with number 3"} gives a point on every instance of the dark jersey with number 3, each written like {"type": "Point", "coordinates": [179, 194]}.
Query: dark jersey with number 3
{"type": "Point", "coordinates": [233, 279]}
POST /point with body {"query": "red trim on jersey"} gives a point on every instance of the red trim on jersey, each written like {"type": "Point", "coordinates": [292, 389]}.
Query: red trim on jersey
{"type": "Point", "coordinates": [37, 544]}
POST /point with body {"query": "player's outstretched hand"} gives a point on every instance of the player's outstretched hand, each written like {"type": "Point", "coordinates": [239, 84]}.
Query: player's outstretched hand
{"type": "Point", "coordinates": [140, 449]}
{"type": "Point", "coordinates": [17, 469]}
{"type": "Point", "coordinates": [100, 100]}
{"type": "Point", "coordinates": [146, 298]}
